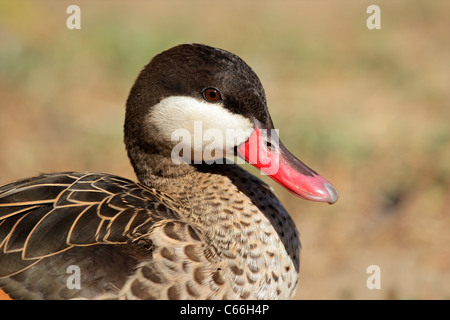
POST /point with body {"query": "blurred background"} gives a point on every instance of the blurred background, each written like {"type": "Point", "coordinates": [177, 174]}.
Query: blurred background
{"type": "Point", "coordinates": [368, 109]}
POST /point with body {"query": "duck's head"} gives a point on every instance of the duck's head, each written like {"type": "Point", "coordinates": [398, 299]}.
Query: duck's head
{"type": "Point", "coordinates": [199, 104]}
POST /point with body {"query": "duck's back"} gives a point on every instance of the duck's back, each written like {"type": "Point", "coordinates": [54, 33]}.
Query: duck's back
{"type": "Point", "coordinates": [74, 223]}
{"type": "Point", "coordinates": [88, 235]}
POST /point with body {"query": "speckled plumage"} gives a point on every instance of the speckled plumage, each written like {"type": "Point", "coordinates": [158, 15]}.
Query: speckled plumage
{"type": "Point", "coordinates": [226, 237]}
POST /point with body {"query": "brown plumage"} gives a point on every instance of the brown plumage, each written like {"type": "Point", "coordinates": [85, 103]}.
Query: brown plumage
{"type": "Point", "coordinates": [185, 231]}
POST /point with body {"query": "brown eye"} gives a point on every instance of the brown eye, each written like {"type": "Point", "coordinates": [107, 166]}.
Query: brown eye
{"type": "Point", "coordinates": [211, 94]}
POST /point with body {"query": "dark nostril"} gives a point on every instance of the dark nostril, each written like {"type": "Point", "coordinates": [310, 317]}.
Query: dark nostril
{"type": "Point", "coordinates": [271, 146]}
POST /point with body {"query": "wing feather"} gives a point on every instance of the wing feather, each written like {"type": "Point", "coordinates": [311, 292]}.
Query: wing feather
{"type": "Point", "coordinates": [51, 213]}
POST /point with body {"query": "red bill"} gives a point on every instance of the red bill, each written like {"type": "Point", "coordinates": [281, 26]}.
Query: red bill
{"type": "Point", "coordinates": [264, 151]}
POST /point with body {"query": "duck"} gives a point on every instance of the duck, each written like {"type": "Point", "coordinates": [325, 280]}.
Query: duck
{"type": "Point", "coordinates": [195, 225]}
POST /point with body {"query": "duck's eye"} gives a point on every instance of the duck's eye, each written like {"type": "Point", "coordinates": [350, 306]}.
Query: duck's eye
{"type": "Point", "coordinates": [211, 94]}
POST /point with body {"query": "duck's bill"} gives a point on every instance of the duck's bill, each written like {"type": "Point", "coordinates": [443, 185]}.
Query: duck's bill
{"type": "Point", "coordinates": [264, 151]}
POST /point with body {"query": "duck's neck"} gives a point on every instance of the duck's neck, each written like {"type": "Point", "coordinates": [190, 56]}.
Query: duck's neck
{"type": "Point", "coordinates": [211, 193]}
{"type": "Point", "coordinates": [160, 172]}
{"type": "Point", "coordinates": [238, 214]}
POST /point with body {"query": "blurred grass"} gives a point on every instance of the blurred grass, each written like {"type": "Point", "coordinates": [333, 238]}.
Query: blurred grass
{"type": "Point", "coordinates": [367, 109]}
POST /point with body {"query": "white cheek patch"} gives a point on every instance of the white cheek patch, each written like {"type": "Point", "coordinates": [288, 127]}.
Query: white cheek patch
{"type": "Point", "coordinates": [204, 131]}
